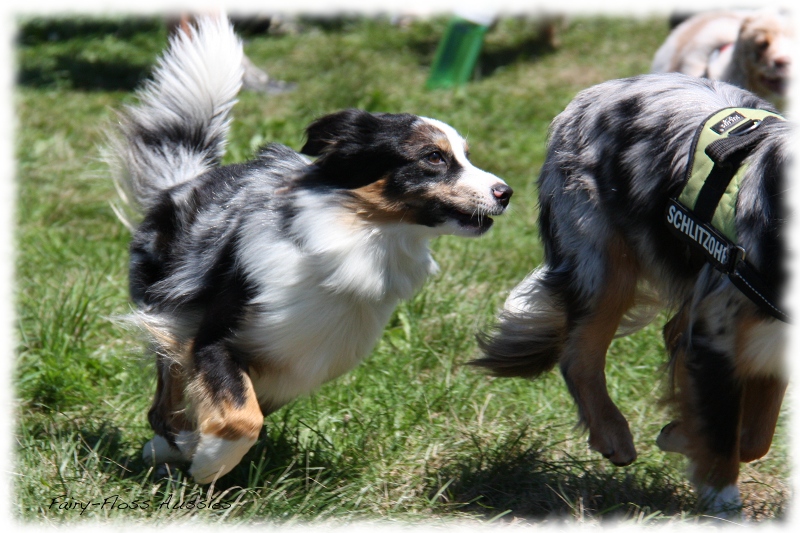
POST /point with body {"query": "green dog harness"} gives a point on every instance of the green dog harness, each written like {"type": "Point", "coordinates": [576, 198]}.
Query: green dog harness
{"type": "Point", "coordinates": [703, 214]}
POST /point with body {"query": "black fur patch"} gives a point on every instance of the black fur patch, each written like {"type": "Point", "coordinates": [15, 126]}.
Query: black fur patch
{"type": "Point", "coordinates": [717, 393]}
{"type": "Point", "coordinates": [218, 364]}
{"type": "Point", "coordinates": [355, 147]}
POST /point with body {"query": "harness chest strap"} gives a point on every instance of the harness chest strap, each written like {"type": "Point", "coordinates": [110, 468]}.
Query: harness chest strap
{"type": "Point", "coordinates": [703, 214]}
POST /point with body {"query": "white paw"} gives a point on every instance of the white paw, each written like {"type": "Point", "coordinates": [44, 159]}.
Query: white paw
{"type": "Point", "coordinates": [725, 503]}
{"type": "Point", "coordinates": [215, 457]}
{"type": "Point", "coordinates": [158, 450]}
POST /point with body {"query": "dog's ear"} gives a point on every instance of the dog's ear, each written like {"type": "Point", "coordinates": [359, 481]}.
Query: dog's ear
{"type": "Point", "coordinates": [351, 127]}
{"type": "Point", "coordinates": [355, 148]}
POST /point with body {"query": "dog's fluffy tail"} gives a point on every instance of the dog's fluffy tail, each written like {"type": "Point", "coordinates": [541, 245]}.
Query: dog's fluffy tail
{"type": "Point", "coordinates": [531, 330]}
{"type": "Point", "coordinates": [179, 128]}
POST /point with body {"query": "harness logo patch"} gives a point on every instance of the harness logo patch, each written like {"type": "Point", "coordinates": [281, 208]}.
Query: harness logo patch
{"type": "Point", "coordinates": [727, 123]}
{"type": "Point", "coordinates": [714, 247]}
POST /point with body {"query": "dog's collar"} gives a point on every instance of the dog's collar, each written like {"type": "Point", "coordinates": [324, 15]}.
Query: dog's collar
{"type": "Point", "coordinates": [703, 214]}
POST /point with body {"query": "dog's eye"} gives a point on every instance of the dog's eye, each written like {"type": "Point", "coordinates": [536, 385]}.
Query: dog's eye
{"type": "Point", "coordinates": [435, 158]}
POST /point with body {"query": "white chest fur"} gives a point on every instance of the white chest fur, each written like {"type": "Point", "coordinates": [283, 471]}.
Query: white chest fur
{"type": "Point", "coordinates": [325, 296]}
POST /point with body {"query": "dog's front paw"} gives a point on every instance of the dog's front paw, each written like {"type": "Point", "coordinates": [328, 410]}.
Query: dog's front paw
{"type": "Point", "coordinates": [614, 442]}
{"type": "Point", "coordinates": [216, 456]}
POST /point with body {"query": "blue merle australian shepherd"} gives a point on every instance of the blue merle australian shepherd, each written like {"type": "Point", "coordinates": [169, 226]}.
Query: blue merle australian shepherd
{"type": "Point", "coordinates": [258, 282]}
{"type": "Point", "coordinates": [616, 157]}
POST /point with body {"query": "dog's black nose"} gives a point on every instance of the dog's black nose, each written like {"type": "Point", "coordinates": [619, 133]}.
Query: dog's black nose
{"type": "Point", "coordinates": [503, 193]}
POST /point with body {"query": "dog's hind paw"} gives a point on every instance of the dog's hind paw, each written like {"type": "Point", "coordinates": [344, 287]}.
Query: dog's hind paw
{"type": "Point", "coordinates": [158, 451]}
{"type": "Point", "coordinates": [672, 438]}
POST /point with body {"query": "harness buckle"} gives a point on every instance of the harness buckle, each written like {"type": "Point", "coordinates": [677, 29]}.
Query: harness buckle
{"type": "Point", "coordinates": [745, 128]}
{"type": "Point", "coordinates": [739, 254]}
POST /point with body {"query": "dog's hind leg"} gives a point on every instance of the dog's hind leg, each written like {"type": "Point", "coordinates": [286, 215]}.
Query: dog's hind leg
{"type": "Point", "coordinates": [582, 361]}
{"type": "Point", "coordinates": [167, 415]}
{"type": "Point", "coordinates": [729, 405]}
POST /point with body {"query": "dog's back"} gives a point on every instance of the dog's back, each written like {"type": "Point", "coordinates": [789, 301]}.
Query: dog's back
{"type": "Point", "coordinates": [692, 43]}
{"type": "Point", "coordinates": [626, 145]}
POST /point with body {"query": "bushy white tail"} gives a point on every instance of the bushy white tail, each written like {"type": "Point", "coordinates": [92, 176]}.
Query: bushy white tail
{"type": "Point", "coordinates": [178, 129]}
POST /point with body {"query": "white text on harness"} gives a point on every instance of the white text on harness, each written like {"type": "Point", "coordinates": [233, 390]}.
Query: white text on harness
{"type": "Point", "coordinates": [686, 225]}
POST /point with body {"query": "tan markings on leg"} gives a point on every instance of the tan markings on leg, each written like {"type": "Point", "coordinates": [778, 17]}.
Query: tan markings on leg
{"type": "Point", "coordinates": [674, 333]}
{"type": "Point", "coordinates": [226, 431]}
{"type": "Point", "coordinates": [227, 420]}
{"type": "Point", "coordinates": [708, 469]}
{"type": "Point", "coordinates": [683, 435]}
{"type": "Point", "coordinates": [584, 357]}
{"type": "Point", "coordinates": [761, 405]}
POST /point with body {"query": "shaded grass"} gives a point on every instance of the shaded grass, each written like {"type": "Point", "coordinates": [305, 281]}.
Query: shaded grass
{"type": "Point", "coordinates": [412, 435]}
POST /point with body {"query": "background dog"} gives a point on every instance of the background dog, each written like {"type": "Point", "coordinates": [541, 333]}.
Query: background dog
{"type": "Point", "coordinates": [751, 49]}
{"type": "Point", "coordinates": [262, 280]}
{"type": "Point", "coordinates": [616, 155]}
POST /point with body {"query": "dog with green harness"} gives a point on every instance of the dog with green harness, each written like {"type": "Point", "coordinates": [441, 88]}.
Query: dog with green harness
{"type": "Point", "coordinates": [662, 192]}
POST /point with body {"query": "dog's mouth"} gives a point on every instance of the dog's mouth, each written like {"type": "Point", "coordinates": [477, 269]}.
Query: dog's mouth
{"type": "Point", "coordinates": [776, 84]}
{"type": "Point", "coordinates": [477, 222]}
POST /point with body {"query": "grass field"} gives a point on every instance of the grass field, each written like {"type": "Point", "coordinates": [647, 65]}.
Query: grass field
{"type": "Point", "coordinates": [413, 435]}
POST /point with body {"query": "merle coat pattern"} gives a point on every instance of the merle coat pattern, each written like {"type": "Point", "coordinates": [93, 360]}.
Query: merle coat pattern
{"type": "Point", "coordinates": [616, 154]}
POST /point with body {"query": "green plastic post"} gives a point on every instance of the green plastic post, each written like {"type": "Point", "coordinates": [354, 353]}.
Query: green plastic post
{"type": "Point", "coordinates": [457, 53]}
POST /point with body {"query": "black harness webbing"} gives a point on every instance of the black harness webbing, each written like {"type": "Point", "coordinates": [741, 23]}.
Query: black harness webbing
{"type": "Point", "coordinates": [703, 213]}
{"type": "Point", "coordinates": [727, 154]}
